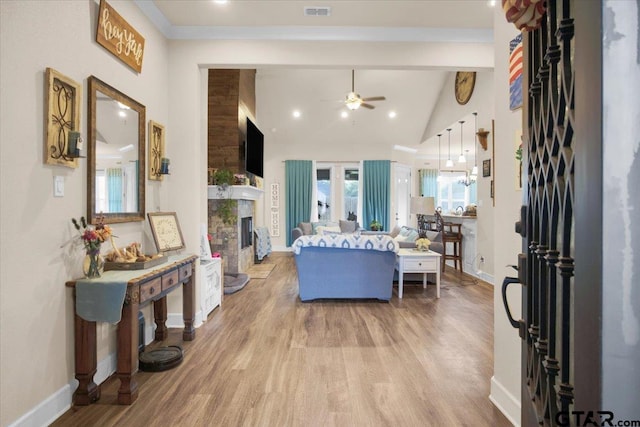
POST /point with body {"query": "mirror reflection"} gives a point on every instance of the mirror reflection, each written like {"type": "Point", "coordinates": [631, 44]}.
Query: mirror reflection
{"type": "Point", "coordinates": [116, 154]}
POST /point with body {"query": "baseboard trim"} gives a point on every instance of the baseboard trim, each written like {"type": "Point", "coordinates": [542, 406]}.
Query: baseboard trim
{"type": "Point", "coordinates": [281, 249]}
{"type": "Point", "coordinates": [484, 276]}
{"type": "Point", "coordinates": [506, 402]}
{"type": "Point", "coordinates": [106, 367]}
{"type": "Point", "coordinates": [49, 410]}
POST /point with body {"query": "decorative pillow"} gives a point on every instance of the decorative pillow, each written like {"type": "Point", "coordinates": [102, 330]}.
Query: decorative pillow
{"type": "Point", "coordinates": [405, 231]}
{"type": "Point", "coordinates": [326, 229]}
{"type": "Point", "coordinates": [348, 226]}
{"type": "Point", "coordinates": [305, 227]}
{"type": "Point", "coordinates": [394, 232]}
{"type": "Point", "coordinates": [412, 236]}
{"type": "Point", "coordinates": [433, 236]}
{"type": "Point", "coordinates": [315, 225]}
{"type": "Point", "coordinates": [400, 238]}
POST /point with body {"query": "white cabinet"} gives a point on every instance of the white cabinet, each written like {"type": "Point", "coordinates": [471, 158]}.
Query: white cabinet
{"type": "Point", "coordinates": [211, 279]}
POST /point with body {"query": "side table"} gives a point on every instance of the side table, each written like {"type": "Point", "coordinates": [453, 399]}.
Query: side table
{"type": "Point", "coordinates": [414, 261]}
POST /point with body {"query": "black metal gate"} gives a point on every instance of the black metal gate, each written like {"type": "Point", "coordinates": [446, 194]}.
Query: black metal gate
{"type": "Point", "coordinates": [558, 146]}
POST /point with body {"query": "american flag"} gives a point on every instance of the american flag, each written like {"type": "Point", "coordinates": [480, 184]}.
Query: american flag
{"type": "Point", "coordinates": [515, 73]}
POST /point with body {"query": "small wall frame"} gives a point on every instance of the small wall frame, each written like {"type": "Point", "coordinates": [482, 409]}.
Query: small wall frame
{"type": "Point", "coordinates": [62, 115]}
{"type": "Point", "coordinates": [156, 150]}
{"type": "Point", "coordinates": [486, 168]}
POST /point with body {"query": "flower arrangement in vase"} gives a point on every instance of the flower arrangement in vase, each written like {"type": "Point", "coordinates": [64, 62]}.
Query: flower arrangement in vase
{"type": "Point", "coordinates": [92, 239]}
{"type": "Point", "coordinates": [422, 244]}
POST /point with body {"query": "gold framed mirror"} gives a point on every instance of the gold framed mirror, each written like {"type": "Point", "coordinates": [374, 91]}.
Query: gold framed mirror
{"type": "Point", "coordinates": [115, 155]}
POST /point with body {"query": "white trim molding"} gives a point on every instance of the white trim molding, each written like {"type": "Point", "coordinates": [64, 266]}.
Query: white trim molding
{"type": "Point", "coordinates": [506, 402]}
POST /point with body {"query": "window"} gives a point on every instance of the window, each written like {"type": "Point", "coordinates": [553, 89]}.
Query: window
{"type": "Point", "coordinates": [337, 185]}
{"type": "Point", "coordinates": [452, 193]}
{"type": "Point", "coordinates": [323, 177]}
{"type": "Point", "coordinates": [350, 200]}
{"type": "Point", "coordinates": [101, 191]}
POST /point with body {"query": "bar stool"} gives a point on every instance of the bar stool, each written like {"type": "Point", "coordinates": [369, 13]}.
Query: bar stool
{"type": "Point", "coordinates": [451, 233]}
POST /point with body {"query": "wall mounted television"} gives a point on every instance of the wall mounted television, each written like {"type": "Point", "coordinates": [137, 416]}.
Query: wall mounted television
{"type": "Point", "coordinates": [254, 150]}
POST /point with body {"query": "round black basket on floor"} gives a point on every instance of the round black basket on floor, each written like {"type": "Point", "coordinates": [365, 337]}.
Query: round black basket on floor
{"type": "Point", "coordinates": [160, 359]}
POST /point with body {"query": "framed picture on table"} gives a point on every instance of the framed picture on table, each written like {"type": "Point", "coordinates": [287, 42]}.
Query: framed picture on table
{"type": "Point", "coordinates": [166, 231]}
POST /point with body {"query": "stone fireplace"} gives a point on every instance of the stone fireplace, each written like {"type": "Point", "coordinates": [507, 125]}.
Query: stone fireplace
{"type": "Point", "coordinates": [234, 241]}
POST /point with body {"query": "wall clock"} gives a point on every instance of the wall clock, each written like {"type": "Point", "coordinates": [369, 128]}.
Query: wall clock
{"type": "Point", "coordinates": [465, 82]}
{"type": "Point", "coordinates": [166, 231]}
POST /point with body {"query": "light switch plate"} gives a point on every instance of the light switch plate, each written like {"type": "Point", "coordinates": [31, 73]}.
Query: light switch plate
{"type": "Point", "coordinates": [58, 186]}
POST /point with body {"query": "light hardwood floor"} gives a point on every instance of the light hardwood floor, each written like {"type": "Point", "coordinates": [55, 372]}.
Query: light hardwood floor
{"type": "Point", "coordinates": [266, 359]}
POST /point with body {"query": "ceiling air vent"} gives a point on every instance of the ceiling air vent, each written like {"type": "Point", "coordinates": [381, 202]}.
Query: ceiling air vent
{"type": "Point", "coordinates": [317, 11]}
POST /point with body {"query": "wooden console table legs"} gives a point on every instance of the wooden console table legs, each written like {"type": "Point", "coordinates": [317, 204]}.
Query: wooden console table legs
{"type": "Point", "coordinates": [160, 317]}
{"type": "Point", "coordinates": [86, 363]}
{"type": "Point", "coordinates": [127, 338]}
{"type": "Point", "coordinates": [188, 309]}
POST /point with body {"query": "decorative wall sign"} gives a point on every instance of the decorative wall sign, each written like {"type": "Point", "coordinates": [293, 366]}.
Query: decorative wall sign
{"type": "Point", "coordinates": [118, 37]}
{"type": "Point", "coordinates": [166, 231]}
{"type": "Point", "coordinates": [275, 195]}
{"type": "Point", "coordinates": [62, 115]}
{"type": "Point", "coordinates": [156, 150]}
{"type": "Point", "coordinates": [275, 224]}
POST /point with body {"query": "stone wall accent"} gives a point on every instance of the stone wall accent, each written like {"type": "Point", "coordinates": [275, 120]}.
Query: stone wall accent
{"type": "Point", "coordinates": [226, 238]}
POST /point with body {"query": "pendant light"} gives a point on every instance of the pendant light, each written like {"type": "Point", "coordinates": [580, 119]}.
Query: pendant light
{"type": "Point", "coordinates": [439, 178]}
{"type": "Point", "coordinates": [449, 163]}
{"type": "Point", "coordinates": [461, 159]}
{"type": "Point", "coordinates": [474, 171]}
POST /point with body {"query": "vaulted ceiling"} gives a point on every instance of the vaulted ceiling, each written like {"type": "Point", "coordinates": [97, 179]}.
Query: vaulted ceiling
{"type": "Point", "coordinates": [411, 93]}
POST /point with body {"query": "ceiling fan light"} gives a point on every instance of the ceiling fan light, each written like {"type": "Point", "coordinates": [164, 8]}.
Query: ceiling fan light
{"type": "Point", "coordinates": [449, 163]}
{"type": "Point", "coordinates": [353, 105]}
{"type": "Point", "coordinates": [353, 101]}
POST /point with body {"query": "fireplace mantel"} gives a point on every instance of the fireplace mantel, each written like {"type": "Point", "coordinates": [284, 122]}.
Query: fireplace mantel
{"type": "Point", "coordinates": [235, 192]}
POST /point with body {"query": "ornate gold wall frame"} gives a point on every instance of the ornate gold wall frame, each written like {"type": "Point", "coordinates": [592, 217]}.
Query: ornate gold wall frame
{"type": "Point", "coordinates": [62, 115]}
{"type": "Point", "coordinates": [156, 150]}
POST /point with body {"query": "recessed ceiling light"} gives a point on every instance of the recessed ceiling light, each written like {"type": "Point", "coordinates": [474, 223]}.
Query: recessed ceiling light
{"type": "Point", "coordinates": [220, 1]}
{"type": "Point", "coordinates": [344, 114]}
{"type": "Point", "coordinates": [296, 114]}
{"type": "Point", "coordinates": [392, 114]}
{"type": "Point", "coordinates": [491, 3]}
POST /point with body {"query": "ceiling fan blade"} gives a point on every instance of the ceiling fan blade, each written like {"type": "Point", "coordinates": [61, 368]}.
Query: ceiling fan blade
{"type": "Point", "coordinates": [369, 106]}
{"type": "Point", "coordinates": [374, 98]}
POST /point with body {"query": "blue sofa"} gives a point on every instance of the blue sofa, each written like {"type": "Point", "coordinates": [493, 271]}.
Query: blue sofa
{"type": "Point", "coordinates": [345, 266]}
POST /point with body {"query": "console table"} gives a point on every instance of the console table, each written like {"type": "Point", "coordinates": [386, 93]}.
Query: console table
{"type": "Point", "coordinates": [142, 288]}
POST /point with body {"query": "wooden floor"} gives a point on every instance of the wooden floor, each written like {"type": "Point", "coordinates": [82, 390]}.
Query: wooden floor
{"type": "Point", "coordinates": [266, 359]}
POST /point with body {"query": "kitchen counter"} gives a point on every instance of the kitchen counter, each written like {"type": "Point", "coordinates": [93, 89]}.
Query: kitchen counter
{"type": "Point", "coordinates": [468, 228]}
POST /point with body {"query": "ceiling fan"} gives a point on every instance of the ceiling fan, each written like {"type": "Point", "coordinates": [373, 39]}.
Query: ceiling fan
{"type": "Point", "coordinates": [353, 100]}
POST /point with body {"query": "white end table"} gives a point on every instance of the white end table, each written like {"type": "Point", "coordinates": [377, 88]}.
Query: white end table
{"type": "Point", "coordinates": [414, 261]}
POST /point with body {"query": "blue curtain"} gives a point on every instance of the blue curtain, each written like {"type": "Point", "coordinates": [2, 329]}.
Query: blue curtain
{"type": "Point", "coordinates": [298, 188]}
{"type": "Point", "coordinates": [376, 192]}
{"type": "Point", "coordinates": [428, 183]}
{"type": "Point", "coordinates": [114, 189]}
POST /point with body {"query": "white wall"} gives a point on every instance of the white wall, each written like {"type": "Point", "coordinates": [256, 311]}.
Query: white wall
{"type": "Point", "coordinates": [505, 384]}
{"type": "Point", "coordinates": [447, 111]}
{"type": "Point", "coordinates": [36, 343]}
